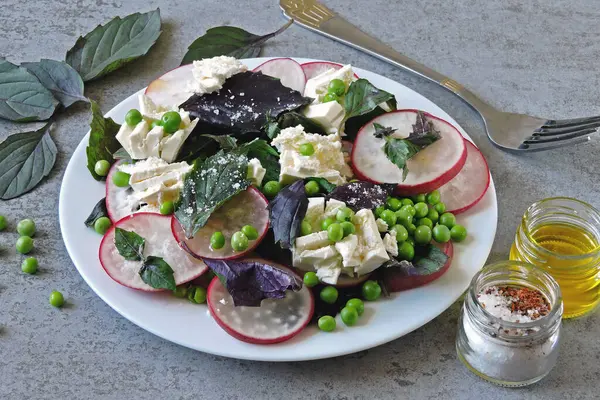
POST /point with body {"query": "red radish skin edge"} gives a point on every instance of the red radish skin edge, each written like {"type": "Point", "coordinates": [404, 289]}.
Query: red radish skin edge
{"type": "Point", "coordinates": [282, 58]}
{"type": "Point", "coordinates": [108, 182]}
{"type": "Point", "coordinates": [253, 340]}
{"type": "Point", "coordinates": [423, 187]}
{"type": "Point", "coordinates": [112, 228]}
{"type": "Point", "coordinates": [474, 203]}
{"type": "Point", "coordinates": [412, 282]}
{"type": "Point", "coordinates": [314, 63]}
{"type": "Point", "coordinates": [184, 246]}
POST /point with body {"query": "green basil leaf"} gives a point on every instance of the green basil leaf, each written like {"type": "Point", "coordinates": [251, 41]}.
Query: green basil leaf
{"type": "Point", "coordinates": [226, 142]}
{"type": "Point", "coordinates": [362, 97]}
{"type": "Point", "coordinates": [102, 143]}
{"type": "Point", "coordinates": [399, 151]}
{"type": "Point", "coordinates": [99, 211]}
{"type": "Point", "coordinates": [22, 96]}
{"type": "Point", "coordinates": [382, 131]}
{"type": "Point", "coordinates": [25, 158]}
{"type": "Point", "coordinates": [210, 184]}
{"type": "Point", "coordinates": [109, 47]}
{"type": "Point", "coordinates": [293, 118]}
{"type": "Point", "coordinates": [228, 41]}
{"type": "Point", "coordinates": [60, 79]}
{"type": "Point", "coordinates": [129, 244]}
{"type": "Point", "coordinates": [157, 273]}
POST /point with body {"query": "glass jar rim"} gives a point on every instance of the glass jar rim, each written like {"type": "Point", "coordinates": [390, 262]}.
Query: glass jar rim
{"type": "Point", "coordinates": [555, 310]}
{"type": "Point", "coordinates": [544, 250]}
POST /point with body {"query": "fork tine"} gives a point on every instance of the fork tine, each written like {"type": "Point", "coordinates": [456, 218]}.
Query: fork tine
{"type": "Point", "coordinates": [536, 138]}
{"type": "Point", "coordinates": [564, 123]}
{"type": "Point", "coordinates": [560, 131]}
{"type": "Point", "coordinates": [553, 145]}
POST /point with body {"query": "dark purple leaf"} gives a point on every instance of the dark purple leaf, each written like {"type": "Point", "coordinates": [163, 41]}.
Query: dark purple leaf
{"type": "Point", "coordinates": [359, 195]}
{"type": "Point", "coordinates": [249, 282]}
{"type": "Point", "coordinates": [286, 212]}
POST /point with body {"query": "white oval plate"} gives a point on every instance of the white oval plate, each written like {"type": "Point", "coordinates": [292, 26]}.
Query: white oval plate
{"type": "Point", "coordinates": [190, 325]}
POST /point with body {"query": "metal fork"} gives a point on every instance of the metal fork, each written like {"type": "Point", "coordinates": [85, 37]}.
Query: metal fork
{"type": "Point", "coordinates": [509, 131]}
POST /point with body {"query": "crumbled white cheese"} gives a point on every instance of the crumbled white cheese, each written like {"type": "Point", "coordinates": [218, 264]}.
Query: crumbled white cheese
{"type": "Point", "coordinates": [256, 172]}
{"type": "Point", "coordinates": [390, 243]}
{"type": "Point", "coordinates": [347, 248]}
{"type": "Point", "coordinates": [210, 74]}
{"type": "Point", "coordinates": [316, 87]}
{"type": "Point", "coordinates": [382, 226]}
{"type": "Point", "coordinates": [314, 212]}
{"type": "Point", "coordinates": [327, 161]}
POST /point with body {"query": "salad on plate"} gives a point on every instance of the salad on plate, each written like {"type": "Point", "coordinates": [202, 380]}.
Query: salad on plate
{"type": "Point", "coordinates": [283, 196]}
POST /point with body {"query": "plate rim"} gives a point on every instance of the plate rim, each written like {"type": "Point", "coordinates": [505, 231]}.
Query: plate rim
{"type": "Point", "coordinates": [257, 354]}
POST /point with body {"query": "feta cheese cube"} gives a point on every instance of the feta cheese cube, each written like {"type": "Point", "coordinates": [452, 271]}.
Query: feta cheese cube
{"type": "Point", "coordinates": [329, 115]}
{"type": "Point", "coordinates": [314, 212]}
{"type": "Point", "coordinates": [332, 207]}
{"type": "Point", "coordinates": [390, 243]}
{"type": "Point", "coordinates": [312, 241]}
{"type": "Point", "coordinates": [316, 87]}
{"type": "Point", "coordinates": [347, 248]}
{"type": "Point", "coordinates": [171, 144]}
{"type": "Point", "coordinates": [372, 249]}
{"type": "Point", "coordinates": [329, 275]}
{"type": "Point", "coordinates": [256, 172]}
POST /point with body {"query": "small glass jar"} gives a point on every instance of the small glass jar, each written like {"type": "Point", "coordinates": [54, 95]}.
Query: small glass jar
{"type": "Point", "coordinates": [509, 353]}
{"type": "Point", "coordinates": [562, 236]}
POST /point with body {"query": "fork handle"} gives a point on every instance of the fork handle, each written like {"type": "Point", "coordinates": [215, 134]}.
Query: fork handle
{"type": "Point", "coordinates": [341, 30]}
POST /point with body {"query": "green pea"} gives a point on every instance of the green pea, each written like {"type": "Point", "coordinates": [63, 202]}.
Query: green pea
{"type": "Point", "coordinates": [357, 304]}
{"type": "Point", "coordinates": [330, 97]}
{"type": "Point", "coordinates": [306, 149]}
{"type": "Point", "coordinates": [133, 117]}
{"type": "Point", "coordinates": [337, 87]}
{"type": "Point", "coordinates": [57, 299]}
{"type": "Point", "coordinates": [102, 167]}
{"type": "Point", "coordinates": [29, 265]}
{"type": "Point", "coordinates": [371, 290]}
{"type": "Point", "coordinates": [440, 208]}
{"type": "Point", "coordinates": [180, 291]}
{"type": "Point", "coordinates": [24, 244]}
{"type": "Point", "coordinates": [433, 215]}
{"type": "Point", "coordinates": [197, 294]}
{"type": "Point", "coordinates": [448, 219]}
{"type": "Point", "coordinates": [393, 203]}
{"type": "Point", "coordinates": [311, 279]}
{"type": "Point", "coordinates": [121, 179]}
{"type": "Point", "coordinates": [344, 214]}
{"type": "Point", "coordinates": [422, 234]}
{"type": "Point", "coordinates": [102, 224]}
{"type": "Point", "coordinates": [406, 251]}
{"type": "Point", "coordinates": [326, 222]}
{"type": "Point", "coordinates": [458, 233]}
{"type": "Point", "coordinates": [425, 222]}
{"type": "Point", "coordinates": [404, 217]}
{"type": "Point", "coordinates": [239, 241]}
{"type": "Point", "coordinates": [401, 233]}
{"type": "Point", "coordinates": [380, 209]}
{"type": "Point", "coordinates": [217, 240]}
{"type": "Point", "coordinates": [155, 123]}
{"type": "Point", "coordinates": [411, 228]}
{"type": "Point", "coordinates": [329, 294]}
{"type": "Point", "coordinates": [3, 222]}
{"type": "Point", "coordinates": [271, 188]}
{"type": "Point", "coordinates": [326, 323]}
{"type": "Point", "coordinates": [421, 210]}
{"type": "Point", "coordinates": [433, 198]}
{"type": "Point", "coordinates": [250, 232]}
{"type": "Point", "coordinates": [167, 208]}
{"type": "Point", "coordinates": [305, 228]}
{"type": "Point", "coordinates": [441, 233]}
{"type": "Point", "coordinates": [407, 202]}
{"type": "Point", "coordinates": [349, 315]}
{"type": "Point", "coordinates": [389, 217]}
{"type": "Point", "coordinates": [348, 228]}
{"type": "Point", "coordinates": [311, 188]}
{"type": "Point", "coordinates": [420, 198]}
{"type": "Point", "coordinates": [335, 232]}
{"type": "Point", "coordinates": [410, 209]}
{"type": "Point", "coordinates": [411, 241]}
{"type": "Point", "coordinates": [26, 227]}
{"type": "Point", "coordinates": [171, 121]}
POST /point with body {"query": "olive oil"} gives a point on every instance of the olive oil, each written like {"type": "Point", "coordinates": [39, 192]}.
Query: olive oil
{"type": "Point", "coordinates": [571, 254]}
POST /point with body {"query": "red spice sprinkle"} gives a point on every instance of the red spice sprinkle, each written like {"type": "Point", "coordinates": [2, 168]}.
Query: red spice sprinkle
{"type": "Point", "coordinates": [524, 299]}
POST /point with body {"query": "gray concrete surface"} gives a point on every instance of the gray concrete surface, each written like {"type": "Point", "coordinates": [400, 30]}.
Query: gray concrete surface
{"type": "Point", "coordinates": [538, 57]}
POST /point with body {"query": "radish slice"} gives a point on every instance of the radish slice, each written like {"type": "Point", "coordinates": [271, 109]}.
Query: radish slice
{"type": "Point", "coordinates": [117, 204]}
{"type": "Point", "coordinates": [246, 208]}
{"type": "Point", "coordinates": [471, 183]}
{"type": "Point", "coordinates": [156, 230]}
{"type": "Point", "coordinates": [171, 89]}
{"type": "Point", "coordinates": [347, 150]}
{"type": "Point", "coordinates": [312, 69]}
{"type": "Point", "coordinates": [397, 282]}
{"type": "Point", "coordinates": [287, 70]}
{"type": "Point", "coordinates": [429, 169]}
{"type": "Point", "coordinates": [275, 321]}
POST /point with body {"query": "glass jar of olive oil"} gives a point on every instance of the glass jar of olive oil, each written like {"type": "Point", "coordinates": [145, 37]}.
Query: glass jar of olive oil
{"type": "Point", "coordinates": [562, 236]}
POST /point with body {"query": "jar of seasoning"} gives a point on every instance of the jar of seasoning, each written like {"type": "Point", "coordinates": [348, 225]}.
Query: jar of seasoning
{"type": "Point", "coordinates": [509, 328]}
{"type": "Point", "coordinates": [561, 235]}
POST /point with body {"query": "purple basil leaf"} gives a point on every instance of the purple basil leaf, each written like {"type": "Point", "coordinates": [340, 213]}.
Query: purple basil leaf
{"type": "Point", "coordinates": [249, 282]}
{"type": "Point", "coordinates": [359, 195]}
{"type": "Point", "coordinates": [286, 212]}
